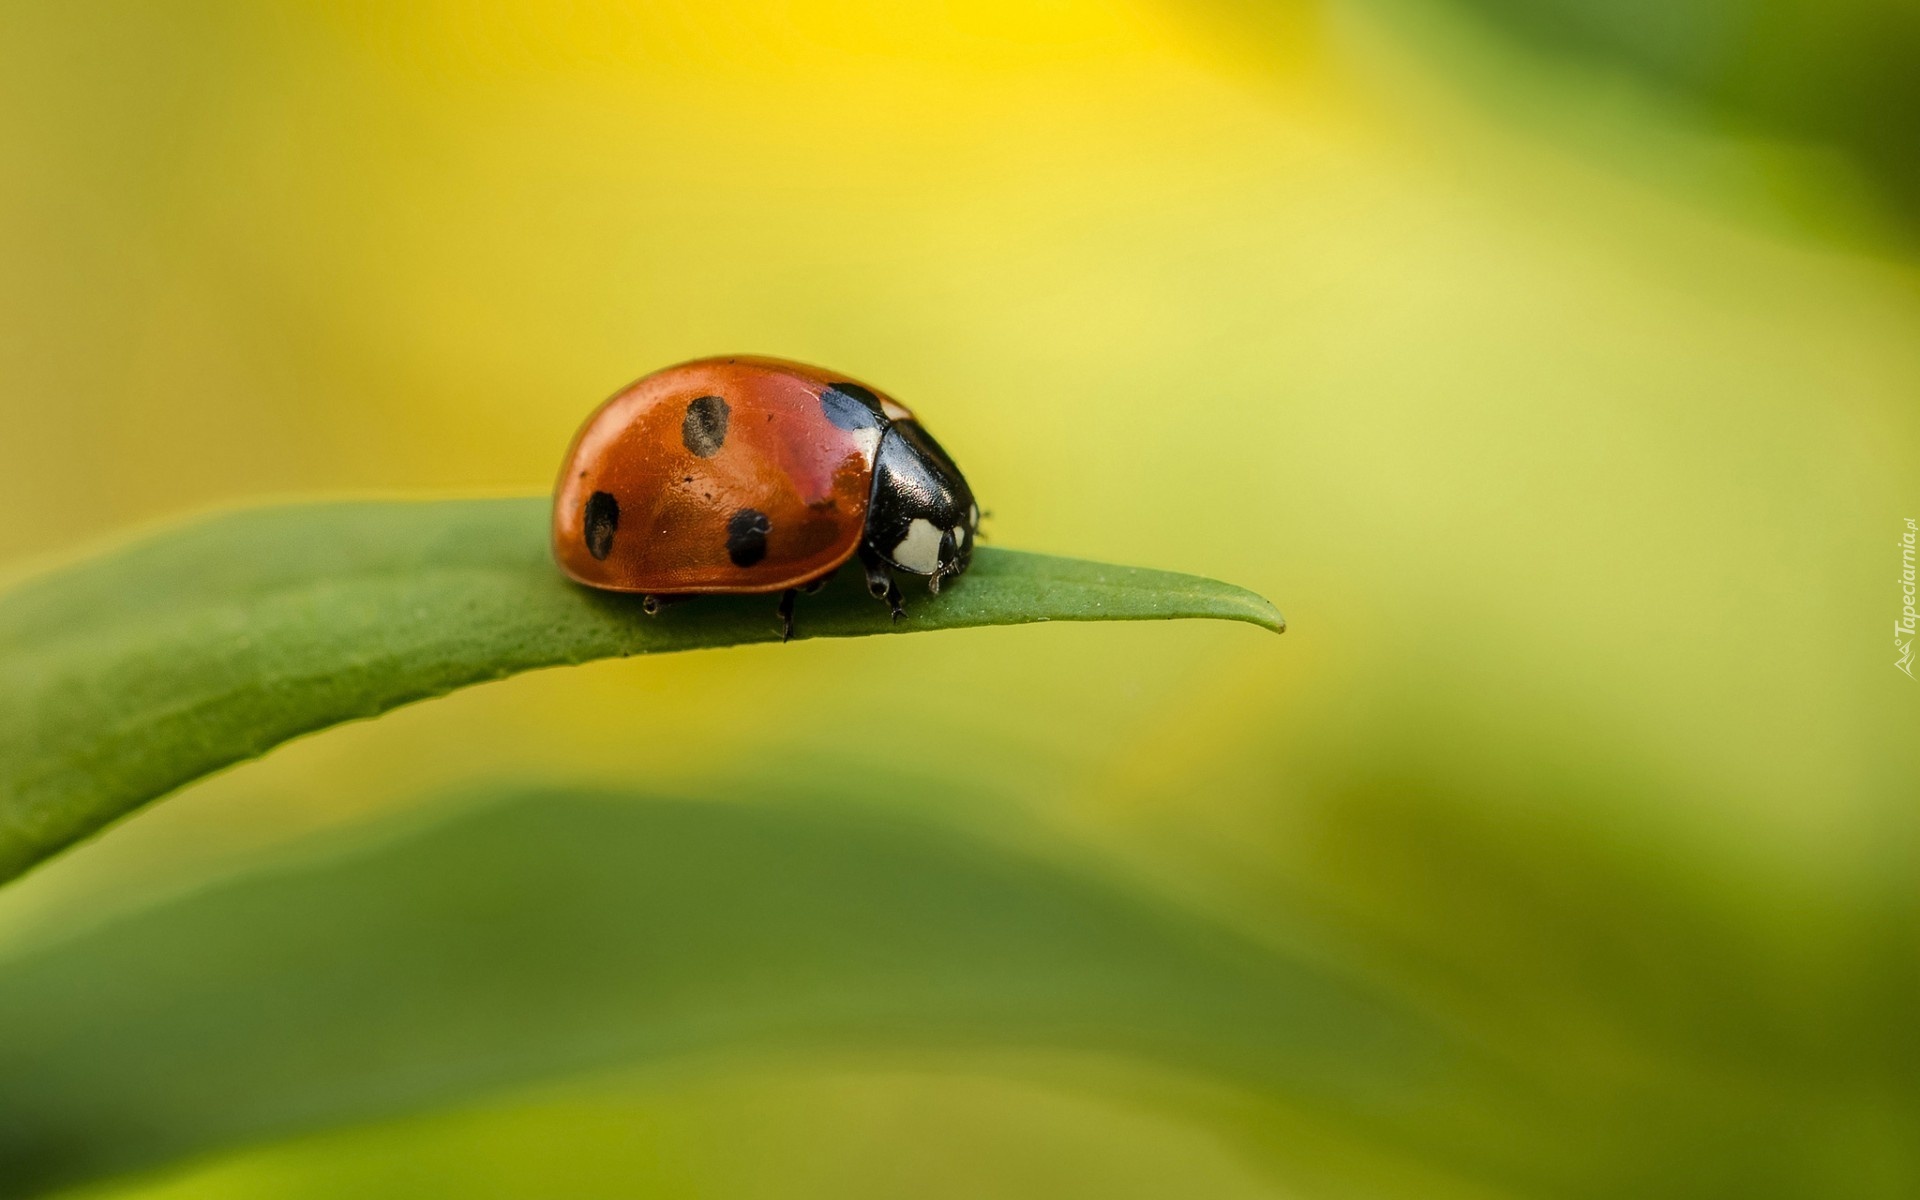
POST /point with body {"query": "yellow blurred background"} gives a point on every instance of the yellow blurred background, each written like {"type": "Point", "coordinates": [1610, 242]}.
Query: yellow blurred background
{"type": "Point", "coordinates": [1564, 403]}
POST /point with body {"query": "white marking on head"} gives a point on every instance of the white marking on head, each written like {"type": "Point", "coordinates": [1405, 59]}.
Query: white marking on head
{"type": "Point", "coordinates": [894, 411]}
{"type": "Point", "coordinates": [919, 551]}
{"type": "Point", "coordinates": [959, 537]}
{"type": "Point", "coordinates": [973, 516]}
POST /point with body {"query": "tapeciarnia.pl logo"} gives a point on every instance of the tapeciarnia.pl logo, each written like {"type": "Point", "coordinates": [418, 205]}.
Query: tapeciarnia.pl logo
{"type": "Point", "coordinates": [1903, 628]}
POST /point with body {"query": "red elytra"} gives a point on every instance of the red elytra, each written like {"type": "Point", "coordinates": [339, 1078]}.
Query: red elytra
{"type": "Point", "coordinates": [749, 474]}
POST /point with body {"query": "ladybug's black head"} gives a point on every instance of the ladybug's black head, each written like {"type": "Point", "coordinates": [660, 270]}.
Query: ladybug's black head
{"type": "Point", "coordinates": [922, 517]}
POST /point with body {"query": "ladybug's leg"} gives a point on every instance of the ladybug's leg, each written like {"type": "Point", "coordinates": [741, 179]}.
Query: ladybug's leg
{"type": "Point", "coordinates": [880, 582]}
{"type": "Point", "coordinates": [786, 612]}
{"type": "Point", "coordinates": [809, 588]}
{"type": "Point", "coordinates": [651, 604]}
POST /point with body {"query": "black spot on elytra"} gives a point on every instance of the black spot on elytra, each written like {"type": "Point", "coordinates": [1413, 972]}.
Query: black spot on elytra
{"type": "Point", "coordinates": [850, 406]}
{"type": "Point", "coordinates": [747, 533]}
{"type": "Point", "coordinates": [602, 518]}
{"type": "Point", "coordinates": [705, 429]}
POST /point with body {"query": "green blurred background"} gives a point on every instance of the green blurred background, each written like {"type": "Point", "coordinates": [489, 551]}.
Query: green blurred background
{"type": "Point", "coordinates": [1551, 363]}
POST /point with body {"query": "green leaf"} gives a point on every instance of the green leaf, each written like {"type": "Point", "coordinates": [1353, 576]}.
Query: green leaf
{"type": "Point", "coordinates": [559, 932]}
{"type": "Point", "coordinates": [126, 676]}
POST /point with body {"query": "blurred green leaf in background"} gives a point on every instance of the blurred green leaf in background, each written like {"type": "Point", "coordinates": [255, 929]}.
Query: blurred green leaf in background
{"type": "Point", "coordinates": [1844, 75]}
{"type": "Point", "coordinates": [1553, 361]}
{"type": "Point", "coordinates": [564, 931]}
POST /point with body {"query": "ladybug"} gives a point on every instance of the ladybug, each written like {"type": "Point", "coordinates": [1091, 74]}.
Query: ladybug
{"type": "Point", "coordinates": [728, 475]}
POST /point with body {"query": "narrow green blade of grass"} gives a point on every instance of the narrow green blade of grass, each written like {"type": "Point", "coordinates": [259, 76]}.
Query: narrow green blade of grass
{"type": "Point", "coordinates": [128, 675]}
{"type": "Point", "coordinates": [542, 933]}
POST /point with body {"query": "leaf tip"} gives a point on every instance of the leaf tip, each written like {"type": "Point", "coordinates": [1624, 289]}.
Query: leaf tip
{"type": "Point", "coordinates": [1255, 609]}
{"type": "Point", "coordinates": [1266, 616]}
